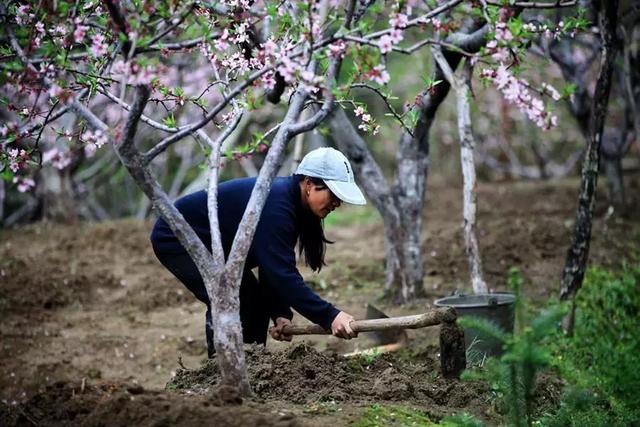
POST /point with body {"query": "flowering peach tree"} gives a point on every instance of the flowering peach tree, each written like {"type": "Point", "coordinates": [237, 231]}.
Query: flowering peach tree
{"type": "Point", "coordinates": [140, 77]}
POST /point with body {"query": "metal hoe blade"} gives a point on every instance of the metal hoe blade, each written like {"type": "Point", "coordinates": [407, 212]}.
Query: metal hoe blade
{"type": "Point", "coordinates": [384, 337]}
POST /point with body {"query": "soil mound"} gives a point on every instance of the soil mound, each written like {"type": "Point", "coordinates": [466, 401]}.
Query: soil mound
{"type": "Point", "coordinates": [301, 374]}
{"type": "Point", "coordinates": [126, 405]}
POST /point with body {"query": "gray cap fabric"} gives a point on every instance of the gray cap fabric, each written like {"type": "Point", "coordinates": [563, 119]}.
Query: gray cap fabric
{"type": "Point", "coordinates": [335, 170]}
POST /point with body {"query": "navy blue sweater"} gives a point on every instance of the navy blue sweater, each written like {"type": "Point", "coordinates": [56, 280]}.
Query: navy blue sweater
{"type": "Point", "coordinates": [273, 246]}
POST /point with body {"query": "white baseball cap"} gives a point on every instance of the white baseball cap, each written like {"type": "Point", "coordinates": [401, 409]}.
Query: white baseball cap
{"type": "Point", "coordinates": [335, 170]}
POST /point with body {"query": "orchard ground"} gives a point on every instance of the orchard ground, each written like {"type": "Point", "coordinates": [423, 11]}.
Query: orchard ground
{"type": "Point", "coordinates": [94, 328]}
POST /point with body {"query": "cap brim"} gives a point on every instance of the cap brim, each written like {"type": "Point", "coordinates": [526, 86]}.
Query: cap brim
{"type": "Point", "coordinates": [347, 192]}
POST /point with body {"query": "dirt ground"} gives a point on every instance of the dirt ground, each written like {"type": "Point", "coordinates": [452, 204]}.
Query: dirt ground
{"type": "Point", "coordinates": [93, 328]}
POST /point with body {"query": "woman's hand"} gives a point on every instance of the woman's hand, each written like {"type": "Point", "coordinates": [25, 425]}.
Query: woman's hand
{"type": "Point", "coordinates": [276, 331]}
{"type": "Point", "coordinates": [341, 326]}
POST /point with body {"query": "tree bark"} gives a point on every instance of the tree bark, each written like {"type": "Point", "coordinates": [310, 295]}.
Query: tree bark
{"type": "Point", "coordinates": [55, 192]}
{"type": "Point", "coordinates": [2, 197]}
{"type": "Point", "coordinates": [577, 255]}
{"type": "Point", "coordinates": [467, 143]}
{"type": "Point", "coordinates": [613, 172]}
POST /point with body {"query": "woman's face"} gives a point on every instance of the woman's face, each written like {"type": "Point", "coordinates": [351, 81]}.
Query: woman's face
{"type": "Point", "coordinates": [320, 200]}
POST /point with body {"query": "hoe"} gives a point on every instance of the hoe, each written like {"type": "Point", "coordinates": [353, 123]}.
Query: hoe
{"type": "Point", "coordinates": [391, 332]}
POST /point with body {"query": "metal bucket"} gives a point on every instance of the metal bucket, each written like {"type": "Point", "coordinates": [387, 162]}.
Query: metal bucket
{"type": "Point", "coordinates": [497, 308]}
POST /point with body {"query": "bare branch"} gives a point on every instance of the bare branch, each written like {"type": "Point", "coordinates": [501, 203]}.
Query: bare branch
{"type": "Point", "coordinates": [407, 51]}
{"type": "Point", "coordinates": [143, 118]}
{"type": "Point", "coordinates": [535, 5]}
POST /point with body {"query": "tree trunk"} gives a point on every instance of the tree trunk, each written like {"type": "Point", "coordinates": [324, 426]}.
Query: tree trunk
{"type": "Point", "coordinates": [467, 143]}
{"type": "Point", "coordinates": [409, 191]}
{"type": "Point", "coordinates": [402, 234]}
{"type": "Point", "coordinates": [469, 187]}
{"type": "Point", "coordinates": [577, 255]}
{"type": "Point", "coordinates": [613, 171]}
{"type": "Point", "coordinates": [55, 192]}
{"type": "Point", "coordinates": [2, 196]}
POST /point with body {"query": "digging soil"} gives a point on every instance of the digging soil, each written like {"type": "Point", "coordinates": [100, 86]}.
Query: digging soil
{"type": "Point", "coordinates": [302, 375]}
{"type": "Point", "coordinates": [90, 304]}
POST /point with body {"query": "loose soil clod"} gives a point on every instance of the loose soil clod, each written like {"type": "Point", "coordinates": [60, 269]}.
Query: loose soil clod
{"type": "Point", "coordinates": [300, 374]}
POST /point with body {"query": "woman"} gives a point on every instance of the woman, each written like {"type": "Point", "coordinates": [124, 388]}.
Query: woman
{"type": "Point", "coordinates": [292, 215]}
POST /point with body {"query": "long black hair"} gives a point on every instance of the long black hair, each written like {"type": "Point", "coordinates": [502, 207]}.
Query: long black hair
{"type": "Point", "coordinates": [311, 240]}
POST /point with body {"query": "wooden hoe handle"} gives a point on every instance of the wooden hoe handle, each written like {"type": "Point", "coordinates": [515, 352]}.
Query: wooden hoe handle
{"type": "Point", "coordinates": [430, 318]}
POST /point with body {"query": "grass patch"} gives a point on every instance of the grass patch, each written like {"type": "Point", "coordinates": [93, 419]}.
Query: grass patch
{"type": "Point", "coordinates": [348, 215]}
{"type": "Point", "coordinates": [393, 416]}
{"type": "Point", "coordinates": [403, 416]}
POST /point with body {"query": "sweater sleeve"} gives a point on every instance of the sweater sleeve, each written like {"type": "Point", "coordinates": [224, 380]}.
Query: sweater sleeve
{"type": "Point", "coordinates": [276, 259]}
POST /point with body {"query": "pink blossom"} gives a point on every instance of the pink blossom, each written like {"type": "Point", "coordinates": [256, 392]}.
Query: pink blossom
{"type": "Point", "coordinates": [310, 81]}
{"type": "Point", "coordinates": [90, 149]}
{"type": "Point", "coordinates": [396, 36]}
{"type": "Point", "coordinates": [288, 69]}
{"type": "Point", "coordinates": [337, 49]}
{"type": "Point", "coordinates": [366, 118]}
{"type": "Point", "coordinates": [23, 184]}
{"type": "Point", "coordinates": [385, 44]}
{"type": "Point", "coordinates": [269, 81]}
{"type": "Point", "coordinates": [270, 47]}
{"type": "Point", "coordinates": [363, 126]}
{"type": "Point", "coordinates": [501, 54]}
{"type": "Point", "coordinates": [398, 20]}
{"type": "Point", "coordinates": [379, 75]}
{"type": "Point", "coordinates": [55, 91]}
{"type": "Point", "coordinates": [14, 160]}
{"type": "Point", "coordinates": [58, 159]}
{"type": "Point", "coordinates": [97, 138]}
{"type": "Point", "coordinates": [517, 92]}
{"type": "Point", "coordinates": [22, 14]}
{"type": "Point", "coordinates": [376, 129]}
{"type": "Point", "coordinates": [98, 47]}
{"type": "Point", "coordinates": [555, 95]}
{"type": "Point", "coordinates": [358, 111]}
{"type": "Point", "coordinates": [40, 27]}
{"type": "Point", "coordinates": [503, 33]}
{"type": "Point", "coordinates": [221, 45]}
{"type": "Point", "coordinates": [79, 33]}
{"type": "Point", "coordinates": [241, 33]}
{"type": "Point", "coordinates": [502, 76]}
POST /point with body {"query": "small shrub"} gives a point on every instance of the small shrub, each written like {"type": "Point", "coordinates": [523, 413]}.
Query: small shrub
{"type": "Point", "coordinates": [513, 375]}
{"type": "Point", "coordinates": [601, 360]}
